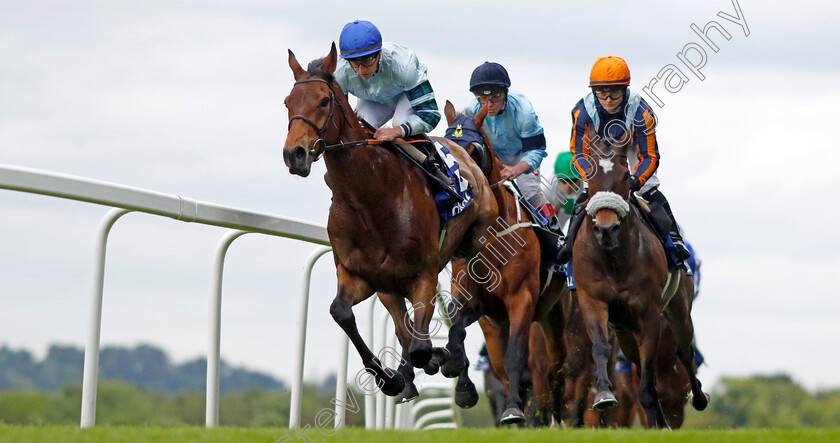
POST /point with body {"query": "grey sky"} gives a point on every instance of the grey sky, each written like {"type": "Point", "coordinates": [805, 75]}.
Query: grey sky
{"type": "Point", "coordinates": [186, 98]}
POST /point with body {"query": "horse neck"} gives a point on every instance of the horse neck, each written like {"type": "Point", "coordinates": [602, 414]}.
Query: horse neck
{"type": "Point", "coordinates": [350, 170]}
{"type": "Point", "coordinates": [504, 199]}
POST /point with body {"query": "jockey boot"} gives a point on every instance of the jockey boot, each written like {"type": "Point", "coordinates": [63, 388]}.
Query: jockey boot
{"type": "Point", "coordinates": [656, 196]}
{"type": "Point", "coordinates": [551, 238]}
{"type": "Point", "coordinates": [553, 223]}
{"type": "Point", "coordinates": [578, 214]}
{"type": "Point", "coordinates": [442, 178]}
{"type": "Point", "coordinates": [682, 252]}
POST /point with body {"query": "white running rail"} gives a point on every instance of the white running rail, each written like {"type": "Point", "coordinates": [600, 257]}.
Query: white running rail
{"type": "Point", "coordinates": [125, 199]}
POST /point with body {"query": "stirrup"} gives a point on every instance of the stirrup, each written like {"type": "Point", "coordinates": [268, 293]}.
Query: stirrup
{"type": "Point", "coordinates": [681, 251]}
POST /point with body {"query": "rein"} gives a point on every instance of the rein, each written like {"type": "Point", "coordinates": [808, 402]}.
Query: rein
{"type": "Point", "coordinates": [370, 141]}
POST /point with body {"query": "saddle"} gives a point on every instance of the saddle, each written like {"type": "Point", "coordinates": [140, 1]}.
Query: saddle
{"type": "Point", "coordinates": [548, 239]}
{"type": "Point", "coordinates": [426, 156]}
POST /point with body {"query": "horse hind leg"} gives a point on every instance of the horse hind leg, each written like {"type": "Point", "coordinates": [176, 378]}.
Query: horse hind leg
{"type": "Point", "coordinates": [679, 319]}
{"type": "Point", "coordinates": [423, 296]}
{"type": "Point", "coordinates": [396, 307]}
{"type": "Point", "coordinates": [353, 290]}
{"type": "Point", "coordinates": [466, 395]}
{"type": "Point", "coordinates": [464, 312]}
{"type": "Point", "coordinates": [520, 312]}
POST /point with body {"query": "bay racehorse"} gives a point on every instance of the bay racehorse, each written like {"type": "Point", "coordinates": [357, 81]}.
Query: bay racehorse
{"type": "Point", "coordinates": [506, 306]}
{"type": "Point", "coordinates": [383, 223]}
{"type": "Point", "coordinates": [621, 273]}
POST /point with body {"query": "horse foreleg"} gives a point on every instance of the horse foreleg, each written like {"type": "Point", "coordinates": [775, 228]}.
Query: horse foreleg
{"type": "Point", "coordinates": [353, 290]}
{"type": "Point", "coordinates": [647, 335]}
{"type": "Point", "coordinates": [396, 307]}
{"type": "Point", "coordinates": [596, 315]}
{"type": "Point", "coordinates": [520, 312]}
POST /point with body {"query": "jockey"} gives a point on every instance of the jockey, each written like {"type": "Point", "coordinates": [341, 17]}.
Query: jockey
{"type": "Point", "coordinates": [564, 187]}
{"type": "Point", "coordinates": [390, 83]}
{"type": "Point", "coordinates": [515, 133]}
{"type": "Point", "coordinates": [611, 109]}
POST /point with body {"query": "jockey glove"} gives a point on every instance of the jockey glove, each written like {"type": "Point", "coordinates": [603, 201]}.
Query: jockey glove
{"type": "Point", "coordinates": [635, 185]}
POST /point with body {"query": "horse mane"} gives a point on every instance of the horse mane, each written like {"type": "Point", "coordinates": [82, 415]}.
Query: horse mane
{"type": "Point", "coordinates": [314, 68]}
{"type": "Point", "coordinates": [497, 191]}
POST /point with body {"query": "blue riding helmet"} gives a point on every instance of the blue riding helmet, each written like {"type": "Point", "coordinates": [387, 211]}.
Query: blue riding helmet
{"type": "Point", "coordinates": [358, 39]}
{"type": "Point", "coordinates": [489, 78]}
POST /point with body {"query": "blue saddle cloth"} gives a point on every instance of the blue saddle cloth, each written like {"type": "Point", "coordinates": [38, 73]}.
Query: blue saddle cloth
{"type": "Point", "coordinates": [447, 208]}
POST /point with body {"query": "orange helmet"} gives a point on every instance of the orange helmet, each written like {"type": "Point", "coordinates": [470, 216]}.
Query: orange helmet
{"type": "Point", "coordinates": [609, 71]}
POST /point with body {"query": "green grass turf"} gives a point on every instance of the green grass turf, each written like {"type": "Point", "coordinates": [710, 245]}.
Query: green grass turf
{"type": "Point", "coordinates": [20, 434]}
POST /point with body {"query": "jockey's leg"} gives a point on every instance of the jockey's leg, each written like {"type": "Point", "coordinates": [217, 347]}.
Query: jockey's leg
{"type": "Point", "coordinates": [375, 113]}
{"type": "Point", "coordinates": [656, 196]}
{"type": "Point", "coordinates": [578, 213]}
{"type": "Point", "coordinates": [401, 110]}
{"type": "Point", "coordinates": [531, 187]}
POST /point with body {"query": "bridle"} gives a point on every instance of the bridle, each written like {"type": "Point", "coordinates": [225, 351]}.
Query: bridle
{"type": "Point", "coordinates": [607, 199]}
{"type": "Point", "coordinates": [320, 131]}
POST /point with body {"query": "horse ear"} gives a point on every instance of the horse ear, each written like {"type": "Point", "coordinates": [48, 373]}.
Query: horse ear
{"type": "Point", "coordinates": [479, 118]}
{"type": "Point", "coordinates": [449, 112]}
{"type": "Point", "coordinates": [296, 69]}
{"type": "Point", "coordinates": [328, 65]}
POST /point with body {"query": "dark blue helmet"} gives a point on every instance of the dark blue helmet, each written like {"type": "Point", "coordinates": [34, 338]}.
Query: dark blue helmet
{"type": "Point", "coordinates": [358, 39]}
{"type": "Point", "coordinates": [489, 78]}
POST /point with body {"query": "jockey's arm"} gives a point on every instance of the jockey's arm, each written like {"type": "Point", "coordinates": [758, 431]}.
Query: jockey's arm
{"type": "Point", "coordinates": [426, 114]}
{"type": "Point", "coordinates": [579, 145]}
{"type": "Point", "coordinates": [646, 142]}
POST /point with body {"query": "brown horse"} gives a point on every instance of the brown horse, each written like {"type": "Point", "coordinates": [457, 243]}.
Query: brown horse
{"type": "Point", "coordinates": [510, 303]}
{"type": "Point", "coordinates": [383, 224]}
{"type": "Point", "coordinates": [621, 271]}
{"type": "Point", "coordinates": [672, 381]}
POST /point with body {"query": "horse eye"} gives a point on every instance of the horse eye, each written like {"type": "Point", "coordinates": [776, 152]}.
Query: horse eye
{"type": "Point", "coordinates": [325, 102]}
{"type": "Point", "coordinates": [626, 176]}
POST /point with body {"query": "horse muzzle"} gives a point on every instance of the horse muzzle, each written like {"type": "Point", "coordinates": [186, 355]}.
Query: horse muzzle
{"type": "Point", "coordinates": [298, 161]}
{"type": "Point", "coordinates": [607, 236]}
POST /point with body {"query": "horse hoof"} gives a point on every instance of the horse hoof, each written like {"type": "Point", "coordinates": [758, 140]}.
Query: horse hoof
{"type": "Point", "coordinates": [439, 357]}
{"type": "Point", "coordinates": [431, 368]}
{"type": "Point", "coordinates": [465, 395]}
{"type": "Point", "coordinates": [512, 416]}
{"type": "Point", "coordinates": [604, 400]}
{"type": "Point", "coordinates": [420, 357]}
{"type": "Point", "coordinates": [700, 403]}
{"type": "Point", "coordinates": [407, 394]}
{"type": "Point", "coordinates": [392, 386]}
{"type": "Point", "coordinates": [453, 367]}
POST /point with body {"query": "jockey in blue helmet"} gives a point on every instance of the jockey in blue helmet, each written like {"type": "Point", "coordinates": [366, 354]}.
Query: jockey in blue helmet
{"type": "Point", "coordinates": [391, 84]}
{"type": "Point", "coordinates": [389, 81]}
{"type": "Point", "coordinates": [515, 133]}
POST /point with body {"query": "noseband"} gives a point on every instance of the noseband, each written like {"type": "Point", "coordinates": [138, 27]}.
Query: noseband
{"type": "Point", "coordinates": [608, 199]}
{"type": "Point", "coordinates": [322, 131]}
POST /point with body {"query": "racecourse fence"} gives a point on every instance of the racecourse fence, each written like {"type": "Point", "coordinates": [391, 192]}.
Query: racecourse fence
{"type": "Point", "coordinates": [379, 413]}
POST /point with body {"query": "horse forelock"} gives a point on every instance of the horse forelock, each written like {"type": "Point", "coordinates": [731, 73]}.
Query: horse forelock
{"type": "Point", "coordinates": [314, 68]}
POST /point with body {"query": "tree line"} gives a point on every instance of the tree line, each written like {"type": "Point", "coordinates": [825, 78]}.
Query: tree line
{"type": "Point", "coordinates": [141, 387]}
{"type": "Point", "coordinates": [144, 366]}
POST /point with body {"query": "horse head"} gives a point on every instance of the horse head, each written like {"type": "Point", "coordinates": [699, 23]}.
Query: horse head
{"type": "Point", "coordinates": [468, 133]}
{"type": "Point", "coordinates": [608, 188]}
{"type": "Point", "coordinates": [315, 112]}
